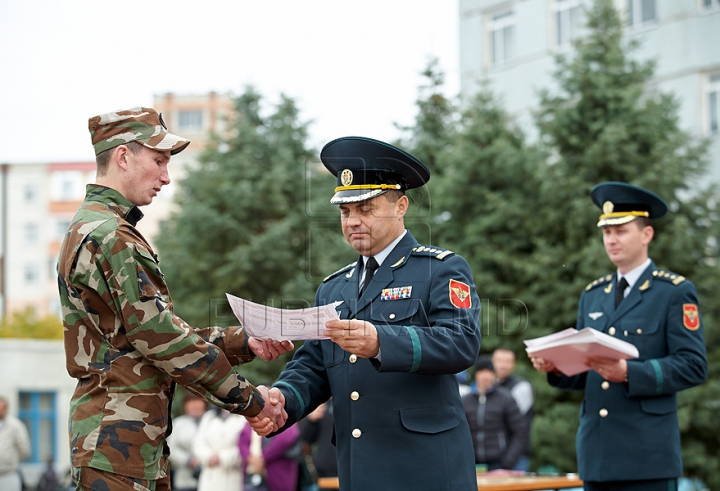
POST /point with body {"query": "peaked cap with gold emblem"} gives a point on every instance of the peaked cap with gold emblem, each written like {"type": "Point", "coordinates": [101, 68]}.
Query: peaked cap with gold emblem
{"type": "Point", "coordinates": [621, 203]}
{"type": "Point", "coordinates": [367, 168]}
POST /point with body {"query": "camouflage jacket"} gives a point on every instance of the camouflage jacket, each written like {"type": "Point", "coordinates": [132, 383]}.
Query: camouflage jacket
{"type": "Point", "coordinates": [127, 348]}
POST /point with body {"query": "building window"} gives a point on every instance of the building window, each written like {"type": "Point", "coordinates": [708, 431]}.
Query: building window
{"type": "Point", "coordinates": [39, 413]}
{"type": "Point", "coordinates": [61, 228]}
{"type": "Point", "coordinates": [568, 20]}
{"type": "Point", "coordinates": [190, 120]}
{"type": "Point", "coordinates": [31, 234]}
{"type": "Point", "coordinates": [55, 307]}
{"type": "Point", "coordinates": [31, 193]}
{"type": "Point", "coordinates": [713, 101]}
{"type": "Point", "coordinates": [501, 36]}
{"type": "Point", "coordinates": [640, 12]}
{"type": "Point", "coordinates": [68, 186]}
{"type": "Point", "coordinates": [31, 274]}
{"type": "Point", "coordinates": [53, 267]}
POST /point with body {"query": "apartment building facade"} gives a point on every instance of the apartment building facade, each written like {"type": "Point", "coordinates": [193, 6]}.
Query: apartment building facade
{"type": "Point", "coordinates": [512, 43]}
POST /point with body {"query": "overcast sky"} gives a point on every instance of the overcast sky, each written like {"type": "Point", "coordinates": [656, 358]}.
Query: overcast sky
{"type": "Point", "coordinates": [353, 66]}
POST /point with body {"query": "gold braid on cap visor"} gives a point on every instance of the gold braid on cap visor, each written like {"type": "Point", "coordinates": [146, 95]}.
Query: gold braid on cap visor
{"type": "Point", "coordinates": [620, 217]}
{"type": "Point", "coordinates": [354, 187]}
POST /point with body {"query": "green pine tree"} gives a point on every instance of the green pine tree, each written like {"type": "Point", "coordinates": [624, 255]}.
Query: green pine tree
{"type": "Point", "coordinates": [253, 220]}
{"type": "Point", "coordinates": [606, 124]}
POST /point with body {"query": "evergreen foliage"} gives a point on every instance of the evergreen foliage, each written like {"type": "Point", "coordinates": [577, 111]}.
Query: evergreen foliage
{"type": "Point", "coordinates": [520, 213]}
{"type": "Point", "coordinates": [248, 223]}
{"type": "Point", "coordinates": [606, 123]}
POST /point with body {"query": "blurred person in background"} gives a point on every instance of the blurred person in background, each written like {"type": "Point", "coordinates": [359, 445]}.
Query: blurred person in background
{"type": "Point", "coordinates": [317, 431]}
{"type": "Point", "coordinates": [216, 449]}
{"type": "Point", "coordinates": [503, 361]}
{"type": "Point", "coordinates": [185, 464]}
{"type": "Point", "coordinates": [497, 426]}
{"type": "Point", "coordinates": [272, 461]}
{"type": "Point", "coordinates": [14, 448]}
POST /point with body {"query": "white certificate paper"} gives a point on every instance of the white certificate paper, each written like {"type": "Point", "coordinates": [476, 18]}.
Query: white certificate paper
{"type": "Point", "coordinates": [263, 322]}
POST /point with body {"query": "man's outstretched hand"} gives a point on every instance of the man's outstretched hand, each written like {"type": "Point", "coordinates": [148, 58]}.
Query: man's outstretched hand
{"type": "Point", "coordinates": [269, 349]}
{"type": "Point", "coordinates": [273, 415]}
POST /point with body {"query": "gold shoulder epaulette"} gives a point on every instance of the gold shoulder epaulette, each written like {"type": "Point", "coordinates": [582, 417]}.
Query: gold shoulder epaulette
{"type": "Point", "coordinates": [436, 252]}
{"type": "Point", "coordinates": [600, 281]}
{"type": "Point", "coordinates": [341, 270]}
{"type": "Point", "coordinates": [668, 276]}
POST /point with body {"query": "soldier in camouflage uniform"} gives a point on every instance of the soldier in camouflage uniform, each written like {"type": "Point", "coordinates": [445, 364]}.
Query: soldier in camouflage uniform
{"type": "Point", "coordinates": [123, 341]}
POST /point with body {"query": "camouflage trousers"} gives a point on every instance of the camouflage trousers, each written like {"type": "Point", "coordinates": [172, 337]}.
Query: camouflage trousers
{"type": "Point", "coordinates": [89, 479]}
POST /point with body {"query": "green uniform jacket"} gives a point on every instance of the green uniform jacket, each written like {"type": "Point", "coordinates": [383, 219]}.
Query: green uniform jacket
{"type": "Point", "coordinates": [127, 348]}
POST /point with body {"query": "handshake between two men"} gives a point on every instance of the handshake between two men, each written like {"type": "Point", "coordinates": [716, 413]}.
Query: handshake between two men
{"type": "Point", "coordinates": [352, 335]}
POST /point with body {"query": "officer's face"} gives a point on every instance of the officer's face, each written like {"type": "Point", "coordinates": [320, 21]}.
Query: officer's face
{"type": "Point", "coordinates": [627, 245]}
{"type": "Point", "coordinates": [370, 226]}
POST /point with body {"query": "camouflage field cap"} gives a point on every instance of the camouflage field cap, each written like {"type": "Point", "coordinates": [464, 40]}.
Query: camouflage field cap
{"type": "Point", "coordinates": [141, 124]}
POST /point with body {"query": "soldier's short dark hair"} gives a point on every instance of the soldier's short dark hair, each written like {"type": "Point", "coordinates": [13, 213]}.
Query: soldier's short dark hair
{"type": "Point", "coordinates": [103, 158]}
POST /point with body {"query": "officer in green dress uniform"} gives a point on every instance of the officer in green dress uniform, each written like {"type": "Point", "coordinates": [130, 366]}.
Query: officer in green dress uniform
{"type": "Point", "coordinates": [409, 322]}
{"type": "Point", "coordinates": [628, 437]}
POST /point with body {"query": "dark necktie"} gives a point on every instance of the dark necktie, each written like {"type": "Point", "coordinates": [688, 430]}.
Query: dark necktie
{"type": "Point", "coordinates": [370, 268]}
{"type": "Point", "coordinates": [622, 284]}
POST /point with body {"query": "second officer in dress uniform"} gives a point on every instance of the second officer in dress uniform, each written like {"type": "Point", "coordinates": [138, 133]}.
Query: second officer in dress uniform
{"type": "Point", "coordinates": [629, 437]}
{"type": "Point", "coordinates": [410, 322]}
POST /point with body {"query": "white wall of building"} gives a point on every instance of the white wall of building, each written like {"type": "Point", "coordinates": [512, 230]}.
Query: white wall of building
{"type": "Point", "coordinates": [27, 267]}
{"type": "Point", "coordinates": [683, 38]}
{"type": "Point", "coordinates": [31, 366]}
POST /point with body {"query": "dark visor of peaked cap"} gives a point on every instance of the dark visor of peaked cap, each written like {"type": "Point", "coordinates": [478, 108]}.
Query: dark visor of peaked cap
{"type": "Point", "coordinates": [621, 203]}
{"type": "Point", "coordinates": [366, 168]}
{"type": "Point", "coordinates": [141, 124]}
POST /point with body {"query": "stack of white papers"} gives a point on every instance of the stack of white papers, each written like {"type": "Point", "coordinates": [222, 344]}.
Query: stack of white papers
{"type": "Point", "coordinates": [568, 349]}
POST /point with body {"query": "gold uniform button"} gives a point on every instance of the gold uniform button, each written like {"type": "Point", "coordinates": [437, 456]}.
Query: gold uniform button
{"type": "Point", "coordinates": [611, 331]}
{"type": "Point", "coordinates": [639, 331]}
{"type": "Point", "coordinates": [353, 358]}
{"type": "Point", "coordinates": [603, 413]}
{"type": "Point", "coordinates": [356, 433]}
{"type": "Point", "coordinates": [391, 316]}
{"type": "Point", "coordinates": [354, 395]}
{"type": "Point", "coordinates": [605, 385]}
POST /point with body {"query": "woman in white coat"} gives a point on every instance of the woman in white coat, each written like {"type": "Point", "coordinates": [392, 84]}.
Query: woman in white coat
{"type": "Point", "coordinates": [216, 448]}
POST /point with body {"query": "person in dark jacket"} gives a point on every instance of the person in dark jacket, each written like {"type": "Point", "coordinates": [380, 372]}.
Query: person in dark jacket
{"type": "Point", "coordinates": [317, 431]}
{"type": "Point", "coordinates": [497, 426]}
{"type": "Point", "coordinates": [503, 360]}
{"type": "Point", "coordinates": [629, 433]}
